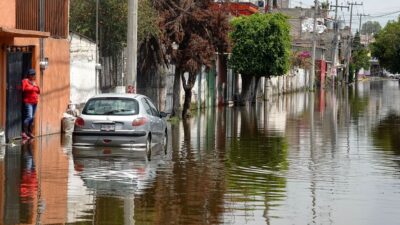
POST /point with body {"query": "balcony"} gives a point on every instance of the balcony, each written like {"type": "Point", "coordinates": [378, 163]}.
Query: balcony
{"type": "Point", "coordinates": [56, 16]}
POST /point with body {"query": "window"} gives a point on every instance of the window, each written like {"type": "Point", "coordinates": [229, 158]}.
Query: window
{"type": "Point", "coordinates": [146, 107]}
{"type": "Point", "coordinates": [153, 108]}
{"type": "Point", "coordinates": [111, 106]}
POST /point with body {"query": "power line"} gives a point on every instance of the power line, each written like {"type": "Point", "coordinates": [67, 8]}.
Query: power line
{"type": "Point", "coordinates": [384, 15]}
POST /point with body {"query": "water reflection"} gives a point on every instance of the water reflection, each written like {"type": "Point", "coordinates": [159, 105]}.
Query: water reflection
{"type": "Point", "coordinates": [322, 158]}
{"type": "Point", "coordinates": [29, 182]}
{"type": "Point", "coordinates": [386, 134]}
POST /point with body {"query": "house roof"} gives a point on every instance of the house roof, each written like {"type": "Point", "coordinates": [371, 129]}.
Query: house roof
{"type": "Point", "coordinates": [237, 8]}
{"type": "Point", "coordinates": [12, 32]}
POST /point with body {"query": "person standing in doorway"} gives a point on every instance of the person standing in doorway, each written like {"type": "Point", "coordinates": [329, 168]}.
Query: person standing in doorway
{"type": "Point", "coordinates": [31, 92]}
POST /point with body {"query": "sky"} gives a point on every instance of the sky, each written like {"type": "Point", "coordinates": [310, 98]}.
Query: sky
{"type": "Point", "coordinates": [377, 9]}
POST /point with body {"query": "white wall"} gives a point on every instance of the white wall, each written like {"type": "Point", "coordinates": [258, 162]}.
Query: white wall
{"type": "Point", "coordinates": [82, 69]}
{"type": "Point", "coordinates": [296, 81]}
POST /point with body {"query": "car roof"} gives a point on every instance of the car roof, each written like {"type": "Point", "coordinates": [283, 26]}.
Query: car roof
{"type": "Point", "coordinates": [117, 95]}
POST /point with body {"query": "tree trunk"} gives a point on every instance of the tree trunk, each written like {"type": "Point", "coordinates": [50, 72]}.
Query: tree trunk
{"type": "Point", "coordinates": [186, 104]}
{"type": "Point", "coordinates": [187, 86]}
{"type": "Point", "coordinates": [177, 93]}
{"type": "Point", "coordinates": [254, 97]}
{"type": "Point", "coordinates": [222, 78]}
{"type": "Point", "coordinates": [245, 96]}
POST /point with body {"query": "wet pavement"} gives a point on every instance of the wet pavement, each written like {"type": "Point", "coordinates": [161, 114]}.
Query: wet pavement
{"type": "Point", "coordinates": [330, 157]}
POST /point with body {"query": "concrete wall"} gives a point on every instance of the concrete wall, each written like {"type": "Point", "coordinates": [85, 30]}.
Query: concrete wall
{"type": "Point", "coordinates": [200, 91]}
{"type": "Point", "coordinates": [298, 80]}
{"type": "Point", "coordinates": [7, 13]}
{"type": "Point", "coordinates": [83, 71]}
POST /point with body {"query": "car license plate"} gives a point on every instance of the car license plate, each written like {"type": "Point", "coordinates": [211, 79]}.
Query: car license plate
{"type": "Point", "coordinates": [108, 127]}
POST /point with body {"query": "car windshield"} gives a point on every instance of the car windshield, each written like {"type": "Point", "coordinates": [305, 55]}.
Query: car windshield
{"type": "Point", "coordinates": [111, 106]}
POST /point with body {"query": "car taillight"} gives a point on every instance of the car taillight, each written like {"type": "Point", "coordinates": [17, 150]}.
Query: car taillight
{"type": "Point", "coordinates": [140, 121]}
{"type": "Point", "coordinates": [79, 122]}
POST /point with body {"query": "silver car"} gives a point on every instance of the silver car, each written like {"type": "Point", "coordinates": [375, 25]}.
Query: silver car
{"type": "Point", "coordinates": [120, 120]}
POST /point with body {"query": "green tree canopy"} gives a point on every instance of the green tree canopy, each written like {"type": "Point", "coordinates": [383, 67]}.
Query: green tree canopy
{"type": "Point", "coordinates": [371, 27]}
{"type": "Point", "coordinates": [112, 22]}
{"type": "Point", "coordinates": [261, 47]}
{"type": "Point", "coordinates": [261, 44]}
{"type": "Point", "coordinates": [360, 54]}
{"type": "Point", "coordinates": [387, 47]}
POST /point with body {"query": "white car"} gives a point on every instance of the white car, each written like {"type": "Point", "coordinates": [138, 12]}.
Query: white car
{"type": "Point", "coordinates": [120, 120]}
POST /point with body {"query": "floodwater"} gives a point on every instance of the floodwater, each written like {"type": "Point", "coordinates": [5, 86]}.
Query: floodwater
{"type": "Point", "coordinates": [330, 157]}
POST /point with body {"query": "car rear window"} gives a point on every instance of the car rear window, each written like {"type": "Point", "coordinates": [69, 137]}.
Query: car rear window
{"type": "Point", "coordinates": [111, 106]}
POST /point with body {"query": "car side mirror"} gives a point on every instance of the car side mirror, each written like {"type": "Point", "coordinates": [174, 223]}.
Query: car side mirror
{"type": "Point", "coordinates": [163, 114]}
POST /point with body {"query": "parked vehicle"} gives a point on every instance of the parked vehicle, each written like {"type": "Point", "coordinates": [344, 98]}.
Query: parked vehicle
{"type": "Point", "coordinates": [390, 75]}
{"type": "Point", "coordinates": [120, 120]}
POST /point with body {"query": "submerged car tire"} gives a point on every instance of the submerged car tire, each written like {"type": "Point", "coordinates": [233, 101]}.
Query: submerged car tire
{"type": "Point", "coordinates": [148, 147]}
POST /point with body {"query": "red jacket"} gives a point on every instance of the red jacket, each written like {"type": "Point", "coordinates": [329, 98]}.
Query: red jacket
{"type": "Point", "coordinates": [30, 92]}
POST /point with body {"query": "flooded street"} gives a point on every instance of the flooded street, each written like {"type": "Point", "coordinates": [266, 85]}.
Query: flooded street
{"type": "Point", "coordinates": [330, 157]}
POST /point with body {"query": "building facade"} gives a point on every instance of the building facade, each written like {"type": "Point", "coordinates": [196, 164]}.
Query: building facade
{"type": "Point", "coordinates": [26, 43]}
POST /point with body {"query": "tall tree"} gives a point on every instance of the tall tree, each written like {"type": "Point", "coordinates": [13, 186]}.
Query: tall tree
{"type": "Point", "coordinates": [360, 55]}
{"type": "Point", "coordinates": [387, 47]}
{"type": "Point", "coordinates": [112, 23]}
{"type": "Point", "coordinates": [261, 47]}
{"type": "Point", "coordinates": [371, 27]}
{"type": "Point", "coordinates": [113, 30]}
{"type": "Point", "coordinates": [187, 24]}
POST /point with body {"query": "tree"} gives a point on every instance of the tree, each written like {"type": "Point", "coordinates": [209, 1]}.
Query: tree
{"type": "Point", "coordinates": [188, 24]}
{"type": "Point", "coordinates": [371, 27]}
{"type": "Point", "coordinates": [360, 55]}
{"type": "Point", "coordinates": [387, 47]}
{"type": "Point", "coordinates": [112, 23]}
{"type": "Point", "coordinates": [261, 47]}
{"type": "Point", "coordinates": [113, 30]}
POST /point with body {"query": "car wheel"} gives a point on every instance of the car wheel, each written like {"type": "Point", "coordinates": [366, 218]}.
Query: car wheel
{"type": "Point", "coordinates": [165, 141]}
{"type": "Point", "coordinates": [148, 147]}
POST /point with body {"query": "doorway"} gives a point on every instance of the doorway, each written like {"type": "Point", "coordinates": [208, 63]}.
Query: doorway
{"type": "Point", "coordinates": [19, 60]}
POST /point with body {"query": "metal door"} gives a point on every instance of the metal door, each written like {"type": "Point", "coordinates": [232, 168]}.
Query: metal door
{"type": "Point", "coordinates": [14, 95]}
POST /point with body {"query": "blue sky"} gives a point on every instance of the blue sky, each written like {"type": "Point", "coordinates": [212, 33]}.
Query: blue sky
{"type": "Point", "coordinates": [375, 8]}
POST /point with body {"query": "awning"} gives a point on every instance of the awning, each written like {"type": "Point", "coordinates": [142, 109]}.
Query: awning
{"type": "Point", "coordinates": [12, 32]}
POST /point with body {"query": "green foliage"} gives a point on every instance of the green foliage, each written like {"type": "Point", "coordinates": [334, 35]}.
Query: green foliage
{"type": "Point", "coordinates": [357, 41]}
{"type": "Point", "coordinates": [371, 27]}
{"type": "Point", "coordinates": [112, 22]}
{"type": "Point", "coordinates": [360, 55]}
{"type": "Point", "coordinates": [387, 47]}
{"type": "Point", "coordinates": [147, 22]}
{"type": "Point", "coordinates": [361, 59]}
{"type": "Point", "coordinates": [261, 44]}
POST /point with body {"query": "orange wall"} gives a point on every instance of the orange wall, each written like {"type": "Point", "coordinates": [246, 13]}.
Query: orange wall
{"type": "Point", "coordinates": [55, 90]}
{"type": "Point", "coordinates": [7, 13]}
{"type": "Point", "coordinates": [56, 87]}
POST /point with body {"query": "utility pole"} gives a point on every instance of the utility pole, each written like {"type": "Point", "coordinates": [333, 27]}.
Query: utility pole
{"type": "Point", "coordinates": [96, 84]}
{"type": "Point", "coordinates": [336, 39]}
{"type": "Point", "coordinates": [42, 18]}
{"type": "Point", "coordinates": [351, 4]}
{"type": "Point", "coordinates": [132, 46]}
{"type": "Point", "coordinates": [314, 43]}
{"type": "Point", "coordinates": [361, 16]}
{"type": "Point", "coordinates": [270, 6]}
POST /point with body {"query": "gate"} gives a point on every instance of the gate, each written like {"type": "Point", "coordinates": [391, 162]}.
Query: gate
{"type": "Point", "coordinates": [19, 60]}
